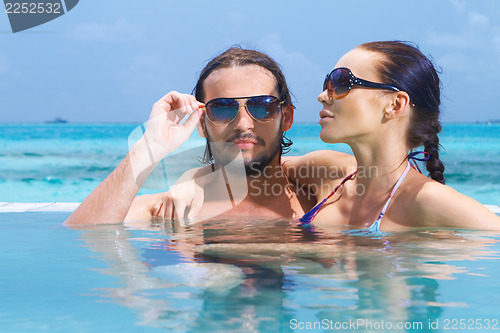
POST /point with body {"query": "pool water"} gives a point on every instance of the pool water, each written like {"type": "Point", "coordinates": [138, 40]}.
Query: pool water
{"type": "Point", "coordinates": [242, 275]}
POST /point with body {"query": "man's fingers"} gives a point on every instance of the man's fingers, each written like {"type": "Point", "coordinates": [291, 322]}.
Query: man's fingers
{"type": "Point", "coordinates": [168, 203]}
{"type": "Point", "coordinates": [155, 210]}
{"type": "Point", "coordinates": [193, 119]}
{"type": "Point", "coordinates": [179, 208]}
{"type": "Point", "coordinates": [195, 105]}
{"type": "Point", "coordinates": [196, 204]}
{"type": "Point", "coordinates": [169, 102]}
{"type": "Point", "coordinates": [171, 98]}
{"type": "Point", "coordinates": [181, 109]}
{"type": "Point", "coordinates": [176, 105]}
{"type": "Point", "coordinates": [197, 110]}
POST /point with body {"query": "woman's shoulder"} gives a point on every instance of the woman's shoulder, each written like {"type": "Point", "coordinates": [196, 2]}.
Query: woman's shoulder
{"type": "Point", "coordinates": [430, 193]}
{"type": "Point", "coordinates": [439, 205]}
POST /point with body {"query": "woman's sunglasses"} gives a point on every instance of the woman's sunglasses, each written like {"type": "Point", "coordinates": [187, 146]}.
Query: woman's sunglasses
{"type": "Point", "coordinates": [222, 111]}
{"type": "Point", "coordinates": [341, 80]}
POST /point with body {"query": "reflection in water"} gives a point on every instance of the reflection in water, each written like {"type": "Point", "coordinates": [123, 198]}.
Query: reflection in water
{"type": "Point", "coordinates": [259, 275]}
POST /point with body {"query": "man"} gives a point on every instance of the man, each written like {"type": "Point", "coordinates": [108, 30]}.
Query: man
{"type": "Point", "coordinates": [248, 108]}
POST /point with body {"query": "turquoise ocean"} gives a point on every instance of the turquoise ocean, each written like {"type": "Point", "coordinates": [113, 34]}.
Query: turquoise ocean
{"type": "Point", "coordinates": [65, 162]}
{"type": "Point", "coordinates": [243, 274]}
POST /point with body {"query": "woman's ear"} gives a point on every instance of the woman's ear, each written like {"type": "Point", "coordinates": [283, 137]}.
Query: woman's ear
{"type": "Point", "coordinates": [287, 119]}
{"type": "Point", "coordinates": [202, 130]}
{"type": "Point", "coordinates": [399, 103]}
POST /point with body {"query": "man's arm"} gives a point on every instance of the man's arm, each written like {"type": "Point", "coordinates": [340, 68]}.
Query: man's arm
{"type": "Point", "coordinates": [186, 198]}
{"type": "Point", "coordinates": [111, 200]}
{"type": "Point", "coordinates": [312, 169]}
{"type": "Point", "coordinates": [183, 201]}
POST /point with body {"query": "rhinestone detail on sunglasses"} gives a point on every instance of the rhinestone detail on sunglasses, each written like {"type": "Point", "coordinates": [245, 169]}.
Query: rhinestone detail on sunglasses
{"type": "Point", "coordinates": [340, 81]}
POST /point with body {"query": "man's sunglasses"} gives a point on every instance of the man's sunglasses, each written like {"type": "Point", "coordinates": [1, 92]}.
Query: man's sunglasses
{"type": "Point", "coordinates": [222, 111]}
{"type": "Point", "coordinates": [340, 81]}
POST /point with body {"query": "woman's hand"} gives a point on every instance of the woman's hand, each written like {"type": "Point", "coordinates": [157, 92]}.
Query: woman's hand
{"type": "Point", "coordinates": [184, 200]}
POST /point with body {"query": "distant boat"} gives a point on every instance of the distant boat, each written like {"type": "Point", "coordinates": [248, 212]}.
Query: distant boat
{"type": "Point", "coordinates": [56, 120]}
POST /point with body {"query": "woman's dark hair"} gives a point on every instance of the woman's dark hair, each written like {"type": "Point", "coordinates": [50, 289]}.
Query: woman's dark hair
{"type": "Point", "coordinates": [238, 56]}
{"type": "Point", "coordinates": [406, 68]}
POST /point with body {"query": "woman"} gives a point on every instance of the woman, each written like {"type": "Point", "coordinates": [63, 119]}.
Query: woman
{"type": "Point", "coordinates": [383, 99]}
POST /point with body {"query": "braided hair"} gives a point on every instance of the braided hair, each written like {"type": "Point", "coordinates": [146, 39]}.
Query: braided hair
{"type": "Point", "coordinates": [405, 67]}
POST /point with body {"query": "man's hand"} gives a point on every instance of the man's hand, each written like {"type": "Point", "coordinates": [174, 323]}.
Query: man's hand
{"type": "Point", "coordinates": [164, 132]}
{"type": "Point", "coordinates": [110, 202]}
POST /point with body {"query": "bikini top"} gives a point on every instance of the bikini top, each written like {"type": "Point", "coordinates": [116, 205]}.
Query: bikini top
{"type": "Point", "coordinates": [375, 226]}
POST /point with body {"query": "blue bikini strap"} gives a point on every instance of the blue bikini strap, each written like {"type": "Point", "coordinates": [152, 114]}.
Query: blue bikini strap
{"type": "Point", "coordinates": [308, 217]}
{"type": "Point", "coordinates": [412, 158]}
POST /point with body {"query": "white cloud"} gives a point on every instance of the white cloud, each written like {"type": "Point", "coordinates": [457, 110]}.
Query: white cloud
{"type": "Point", "coordinates": [141, 63]}
{"type": "Point", "coordinates": [289, 59]}
{"type": "Point", "coordinates": [454, 40]}
{"type": "Point", "coordinates": [476, 33]}
{"type": "Point", "coordinates": [478, 20]}
{"type": "Point", "coordinates": [475, 43]}
{"type": "Point", "coordinates": [456, 61]}
{"type": "Point", "coordinates": [119, 31]}
{"type": "Point", "coordinates": [142, 68]}
{"type": "Point", "coordinates": [458, 4]}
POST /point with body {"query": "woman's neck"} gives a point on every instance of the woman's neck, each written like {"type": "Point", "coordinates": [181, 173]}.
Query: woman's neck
{"type": "Point", "coordinates": [379, 164]}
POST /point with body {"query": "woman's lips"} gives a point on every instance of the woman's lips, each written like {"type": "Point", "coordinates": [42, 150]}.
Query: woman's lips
{"type": "Point", "coordinates": [325, 115]}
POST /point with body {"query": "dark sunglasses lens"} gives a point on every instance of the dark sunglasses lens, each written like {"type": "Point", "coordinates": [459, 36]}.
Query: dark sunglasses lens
{"type": "Point", "coordinates": [263, 107]}
{"type": "Point", "coordinates": [222, 110]}
{"type": "Point", "coordinates": [338, 83]}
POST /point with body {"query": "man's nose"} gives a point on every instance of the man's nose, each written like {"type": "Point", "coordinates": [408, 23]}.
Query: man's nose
{"type": "Point", "coordinates": [243, 121]}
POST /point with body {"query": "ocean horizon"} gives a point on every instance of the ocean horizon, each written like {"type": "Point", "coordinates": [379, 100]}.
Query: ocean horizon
{"type": "Point", "coordinates": [64, 162]}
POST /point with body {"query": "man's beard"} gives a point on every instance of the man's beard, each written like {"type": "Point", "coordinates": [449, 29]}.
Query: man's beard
{"type": "Point", "coordinates": [228, 151]}
{"type": "Point", "coordinates": [257, 164]}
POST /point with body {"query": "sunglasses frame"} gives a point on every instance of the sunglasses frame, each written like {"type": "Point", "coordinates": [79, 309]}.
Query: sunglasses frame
{"type": "Point", "coordinates": [246, 108]}
{"type": "Point", "coordinates": [355, 81]}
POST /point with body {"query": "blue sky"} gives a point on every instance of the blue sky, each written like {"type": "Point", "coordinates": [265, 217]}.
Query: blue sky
{"type": "Point", "coordinates": [111, 60]}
